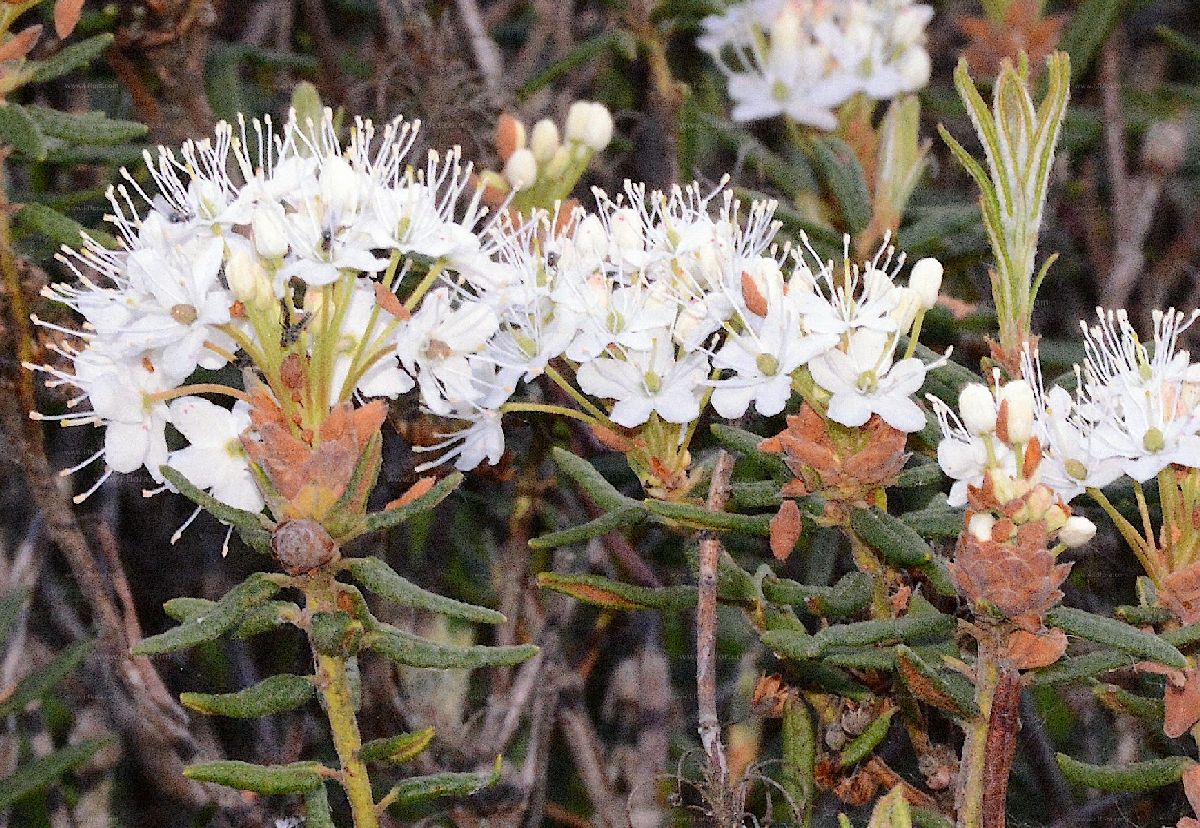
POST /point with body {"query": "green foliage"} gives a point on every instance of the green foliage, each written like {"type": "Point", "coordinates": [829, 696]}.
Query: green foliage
{"type": "Point", "coordinates": [865, 743]}
{"type": "Point", "coordinates": [19, 131]}
{"type": "Point", "coordinates": [1116, 634]}
{"type": "Point", "coordinates": [391, 518]}
{"type": "Point", "coordinates": [847, 183]}
{"type": "Point", "coordinates": [410, 650]}
{"type": "Point", "coordinates": [250, 527]}
{"type": "Point", "coordinates": [45, 771]}
{"type": "Point", "coordinates": [69, 58]}
{"type": "Point", "coordinates": [224, 616]}
{"type": "Point", "coordinates": [421, 789]}
{"type": "Point", "coordinates": [45, 222]}
{"type": "Point", "coordinates": [298, 777]}
{"type": "Point", "coordinates": [276, 694]}
{"type": "Point", "coordinates": [1139, 776]}
{"type": "Point", "coordinates": [397, 749]}
{"type": "Point", "coordinates": [381, 579]}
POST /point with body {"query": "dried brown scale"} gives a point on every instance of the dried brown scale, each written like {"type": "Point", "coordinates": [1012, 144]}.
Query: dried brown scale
{"type": "Point", "coordinates": [302, 545]}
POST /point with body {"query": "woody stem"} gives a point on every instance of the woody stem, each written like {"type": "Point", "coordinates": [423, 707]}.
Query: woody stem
{"type": "Point", "coordinates": [972, 769]}
{"type": "Point", "coordinates": [991, 743]}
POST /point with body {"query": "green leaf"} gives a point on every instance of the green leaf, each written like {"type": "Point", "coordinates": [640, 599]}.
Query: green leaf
{"type": "Point", "coordinates": [390, 518]}
{"type": "Point", "coordinates": [1114, 633]}
{"type": "Point", "coordinates": [298, 777]}
{"type": "Point", "coordinates": [1139, 776]}
{"type": "Point", "coordinates": [799, 746]}
{"type": "Point", "coordinates": [1120, 700]}
{"type": "Point", "coordinates": [697, 517]}
{"type": "Point", "coordinates": [249, 525]}
{"type": "Point", "coordinates": [844, 177]}
{"type": "Point", "coordinates": [186, 608]}
{"type": "Point", "coordinates": [11, 604]}
{"type": "Point", "coordinates": [616, 42]}
{"type": "Point", "coordinates": [225, 615]}
{"type": "Point", "coordinates": [1080, 667]}
{"type": "Point", "coordinates": [586, 476]}
{"type": "Point", "coordinates": [267, 617]}
{"type": "Point", "coordinates": [914, 626]}
{"type": "Point", "coordinates": [413, 651]}
{"type": "Point", "coordinates": [944, 689]}
{"type": "Point", "coordinates": [398, 749]}
{"type": "Point", "coordinates": [1090, 25]}
{"type": "Point", "coordinates": [1139, 616]}
{"type": "Point", "coordinates": [849, 596]}
{"type": "Point", "coordinates": [921, 473]}
{"type": "Point", "coordinates": [381, 579]}
{"type": "Point", "coordinates": [424, 788]}
{"type": "Point", "coordinates": [316, 809]}
{"type": "Point", "coordinates": [1182, 637]}
{"type": "Point", "coordinates": [865, 743]}
{"type": "Point", "coordinates": [48, 223]}
{"type": "Point", "coordinates": [746, 443]}
{"type": "Point", "coordinates": [898, 543]}
{"type": "Point", "coordinates": [276, 694]}
{"type": "Point", "coordinates": [937, 520]}
{"type": "Point", "coordinates": [604, 592]}
{"type": "Point", "coordinates": [46, 770]}
{"type": "Point", "coordinates": [84, 128]}
{"type": "Point", "coordinates": [336, 633]}
{"type": "Point", "coordinates": [19, 131]}
{"type": "Point", "coordinates": [69, 59]}
{"type": "Point", "coordinates": [608, 522]}
{"type": "Point", "coordinates": [40, 682]}
{"type": "Point", "coordinates": [1181, 44]}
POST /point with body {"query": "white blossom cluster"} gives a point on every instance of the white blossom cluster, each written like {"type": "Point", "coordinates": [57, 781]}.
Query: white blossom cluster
{"type": "Point", "coordinates": [804, 58]}
{"type": "Point", "coordinates": [1135, 411]}
{"type": "Point", "coordinates": [646, 307]}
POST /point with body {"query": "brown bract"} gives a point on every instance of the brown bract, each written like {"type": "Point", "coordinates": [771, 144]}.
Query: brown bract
{"type": "Point", "coordinates": [840, 463]}
{"type": "Point", "coordinates": [1018, 577]}
{"type": "Point", "coordinates": [311, 475]}
{"type": "Point", "coordinates": [1023, 29]}
{"type": "Point", "coordinates": [1026, 650]}
{"type": "Point", "coordinates": [1180, 592]}
{"type": "Point", "coordinates": [786, 528]}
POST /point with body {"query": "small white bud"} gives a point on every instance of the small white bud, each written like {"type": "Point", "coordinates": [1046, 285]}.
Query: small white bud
{"type": "Point", "coordinates": [577, 121]}
{"type": "Point", "coordinates": [521, 169]}
{"type": "Point", "coordinates": [977, 408]}
{"type": "Point", "coordinates": [926, 281]}
{"type": "Point", "coordinates": [247, 279]}
{"type": "Point", "coordinates": [915, 68]}
{"type": "Point", "coordinates": [543, 140]}
{"type": "Point", "coordinates": [599, 127]}
{"type": "Point", "coordinates": [1018, 421]}
{"type": "Point", "coordinates": [786, 31]}
{"type": "Point", "coordinates": [1077, 531]}
{"type": "Point", "coordinates": [269, 225]}
{"type": "Point", "coordinates": [981, 524]}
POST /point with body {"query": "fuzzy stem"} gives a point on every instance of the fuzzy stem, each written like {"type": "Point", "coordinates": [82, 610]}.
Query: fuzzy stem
{"type": "Point", "coordinates": [337, 698]}
{"type": "Point", "coordinates": [706, 629]}
{"type": "Point", "coordinates": [991, 742]}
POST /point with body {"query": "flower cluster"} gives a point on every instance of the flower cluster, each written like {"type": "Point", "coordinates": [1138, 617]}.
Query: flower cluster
{"type": "Point", "coordinates": [804, 58]}
{"type": "Point", "coordinates": [1134, 413]}
{"type": "Point", "coordinates": [333, 273]}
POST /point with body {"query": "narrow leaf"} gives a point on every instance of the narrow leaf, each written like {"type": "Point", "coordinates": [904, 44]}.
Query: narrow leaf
{"type": "Point", "coordinates": [46, 770]}
{"type": "Point", "coordinates": [895, 540]}
{"type": "Point", "coordinates": [71, 58]}
{"type": "Point", "coordinates": [298, 777]}
{"type": "Point", "coordinates": [413, 651]}
{"type": "Point", "coordinates": [84, 128]}
{"type": "Point", "coordinates": [317, 813]}
{"type": "Point", "coordinates": [48, 223]}
{"type": "Point", "coordinates": [276, 694]}
{"type": "Point", "coordinates": [424, 788]}
{"type": "Point", "coordinates": [390, 518]}
{"type": "Point", "coordinates": [844, 177]}
{"type": "Point", "coordinates": [381, 579]}
{"type": "Point", "coordinates": [604, 592]}
{"type": "Point", "coordinates": [11, 604]}
{"type": "Point", "coordinates": [1139, 776]}
{"type": "Point", "coordinates": [943, 689]}
{"type": "Point", "coordinates": [19, 131]}
{"type": "Point", "coordinates": [225, 614]}
{"type": "Point", "coordinates": [1114, 633]}
{"type": "Point", "coordinates": [398, 749]}
{"type": "Point", "coordinates": [608, 522]}
{"type": "Point", "coordinates": [249, 525]}
{"type": "Point", "coordinates": [591, 481]}
{"type": "Point", "coordinates": [865, 743]}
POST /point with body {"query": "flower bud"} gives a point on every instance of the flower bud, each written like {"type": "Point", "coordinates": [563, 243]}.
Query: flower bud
{"type": "Point", "coordinates": [904, 312]}
{"type": "Point", "coordinates": [786, 31]}
{"type": "Point", "coordinates": [914, 68]}
{"type": "Point", "coordinates": [269, 226]}
{"type": "Point", "coordinates": [980, 525]}
{"type": "Point", "coordinates": [510, 135]}
{"type": "Point", "coordinates": [1077, 531]}
{"type": "Point", "coordinates": [543, 140]}
{"type": "Point", "coordinates": [521, 169]}
{"type": "Point", "coordinates": [1018, 419]}
{"type": "Point", "coordinates": [599, 127]}
{"type": "Point", "coordinates": [247, 279]}
{"type": "Point", "coordinates": [559, 162]}
{"type": "Point", "coordinates": [977, 409]}
{"type": "Point", "coordinates": [926, 281]}
{"type": "Point", "coordinates": [577, 120]}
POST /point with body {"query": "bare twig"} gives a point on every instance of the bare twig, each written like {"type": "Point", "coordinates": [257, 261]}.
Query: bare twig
{"type": "Point", "coordinates": [706, 627]}
{"type": "Point", "coordinates": [487, 54]}
{"type": "Point", "coordinates": [584, 744]}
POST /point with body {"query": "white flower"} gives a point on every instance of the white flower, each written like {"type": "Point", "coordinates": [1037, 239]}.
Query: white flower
{"type": "Point", "coordinates": [214, 459]}
{"type": "Point", "coordinates": [384, 377]}
{"type": "Point", "coordinates": [648, 382]}
{"type": "Point", "coordinates": [965, 456]}
{"type": "Point", "coordinates": [863, 381]}
{"type": "Point", "coordinates": [435, 343]}
{"type": "Point", "coordinates": [482, 438]}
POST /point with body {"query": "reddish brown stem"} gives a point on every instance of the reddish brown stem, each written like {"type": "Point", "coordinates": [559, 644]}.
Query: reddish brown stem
{"type": "Point", "coordinates": [706, 626]}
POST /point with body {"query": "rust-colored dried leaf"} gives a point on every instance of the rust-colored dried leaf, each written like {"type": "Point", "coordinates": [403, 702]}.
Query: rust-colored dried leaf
{"type": "Point", "coordinates": [752, 296]}
{"type": "Point", "coordinates": [612, 439]}
{"type": "Point", "coordinates": [770, 696]}
{"type": "Point", "coordinates": [292, 372]}
{"type": "Point", "coordinates": [21, 43]}
{"type": "Point", "coordinates": [413, 492]}
{"type": "Point", "coordinates": [1033, 457]}
{"type": "Point", "coordinates": [1031, 650]}
{"type": "Point", "coordinates": [924, 689]}
{"type": "Point", "coordinates": [391, 303]}
{"type": "Point", "coordinates": [1182, 705]}
{"type": "Point", "coordinates": [1191, 787]}
{"type": "Point", "coordinates": [1022, 30]}
{"type": "Point", "coordinates": [786, 528]}
{"type": "Point", "coordinates": [66, 16]}
{"type": "Point", "coordinates": [1181, 593]}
